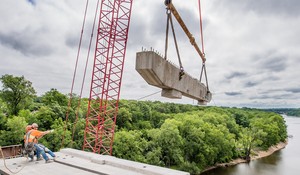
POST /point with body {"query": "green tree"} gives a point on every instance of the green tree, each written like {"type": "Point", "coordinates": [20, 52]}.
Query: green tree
{"type": "Point", "coordinates": [157, 119]}
{"type": "Point", "coordinates": [78, 134]}
{"type": "Point", "coordinates": [53, 140]}
{"type": "Point", "coordinates": [17, 92]}
{"type": "Point", "coordinates": [191, 130]}
{"type": "Point", "coordinates": [171, 143]}
{"type": "Point", "coordinates": [16, 128]}
{"type": "Point", "coordinates": [241, 119]}
{"type": "Point", "coordinates": [130, 145]}
{"type": "Point", "coordinates": [57, 102]}
{"type": "Point", "coordinates": [45, 117]}
{"type": "Point", "coordinates": [3, 114]}
{"type": "Point", "coordinates": [124, 118]}
{"type": "Point", "coordinates": [27, 115]}
{"type": "Point", "coordinates": [269, 125]}
{"type": "Point", "coordinates": [250, 138]}
{"type": "Point", "coordinates": [54, 97]}
{"type": "Point", "coordinates": [153, 151]}
{"type": "Point", "coordinates": [280, 122]}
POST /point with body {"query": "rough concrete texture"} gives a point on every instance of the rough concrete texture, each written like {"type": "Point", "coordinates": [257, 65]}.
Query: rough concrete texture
{"type": "Point", "coordinates": [160, 73]}
{"type": "Point", "coordinates": [76, 162]}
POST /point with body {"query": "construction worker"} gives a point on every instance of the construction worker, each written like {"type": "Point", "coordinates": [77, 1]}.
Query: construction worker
{"type": "Point", "coordinates": [32, 138]}
{"type": "Point", "coordinates": [28, 128]}
{"type": "Point", "coordinates": [28, 147]}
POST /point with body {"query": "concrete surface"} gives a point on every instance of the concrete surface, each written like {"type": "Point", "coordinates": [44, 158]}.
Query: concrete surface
{"type": "Point", "coordinates": [160, 73]}
{"type": "Point", "coordinates": [75, 162]}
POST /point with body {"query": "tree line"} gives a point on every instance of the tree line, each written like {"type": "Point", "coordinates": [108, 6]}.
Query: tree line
{"type": "Point", "coordinates": [185, 137]}
{"type": "Point", "coordinates": [287, 111]}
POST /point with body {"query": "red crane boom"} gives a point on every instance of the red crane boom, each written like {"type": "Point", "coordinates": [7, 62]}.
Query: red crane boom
{"type": "Point", "coordinates": [112, 34]}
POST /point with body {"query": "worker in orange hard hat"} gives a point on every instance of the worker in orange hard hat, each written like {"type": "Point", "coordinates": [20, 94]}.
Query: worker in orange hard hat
{"type": "Point", "coordinates": [32, 138]}
{"type": "Point", "coordinates": [28, 148]}
{"type": "Point", "coordinates": [28, 128]}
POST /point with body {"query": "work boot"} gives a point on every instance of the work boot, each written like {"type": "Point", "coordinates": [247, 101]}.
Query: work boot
{"type": "Point", "coordinates": [48, 161]}
{"type": "Point", "coordinates": [40, 158]}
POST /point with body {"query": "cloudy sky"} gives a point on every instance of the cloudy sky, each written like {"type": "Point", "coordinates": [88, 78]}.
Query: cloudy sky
{"type": "Point", "coordinates": [252, 47]}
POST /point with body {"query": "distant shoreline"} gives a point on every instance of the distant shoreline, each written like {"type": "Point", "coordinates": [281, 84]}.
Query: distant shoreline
{"type": "Point", "coordinates": [258, 155]}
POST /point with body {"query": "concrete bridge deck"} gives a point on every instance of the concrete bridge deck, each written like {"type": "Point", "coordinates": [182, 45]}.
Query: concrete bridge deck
{"type": "Point", "coordinates": [76, 162]}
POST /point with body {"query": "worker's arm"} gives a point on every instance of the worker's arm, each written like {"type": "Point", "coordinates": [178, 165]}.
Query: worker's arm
{"type": "Point", "coordinates": [42, 133]}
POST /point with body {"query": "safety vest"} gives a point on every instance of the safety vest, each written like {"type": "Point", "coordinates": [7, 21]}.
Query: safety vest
{"type": "Point", "coordinates": [29, 142]}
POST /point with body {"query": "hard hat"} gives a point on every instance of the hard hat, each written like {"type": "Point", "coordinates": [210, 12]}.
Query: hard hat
{"type": "Point", "coordinates": [28, 128]}
{"type": "Point", "coordinates": [34, 125]}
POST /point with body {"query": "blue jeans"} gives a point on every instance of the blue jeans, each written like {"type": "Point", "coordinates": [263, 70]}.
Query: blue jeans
{"type": "Point", "coordinates": [41, 149]}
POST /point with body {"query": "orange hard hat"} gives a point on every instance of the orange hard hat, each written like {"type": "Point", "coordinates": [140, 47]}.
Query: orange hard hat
{"type": "Point", "coordinates": [28, 128]}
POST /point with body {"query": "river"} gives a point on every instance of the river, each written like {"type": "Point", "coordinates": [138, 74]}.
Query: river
{"type": "Point", "coordinates": [283, 162]}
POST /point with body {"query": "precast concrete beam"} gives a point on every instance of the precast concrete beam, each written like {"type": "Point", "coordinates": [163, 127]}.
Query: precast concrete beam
{"type": "Point", "coordinates": [158, 72]}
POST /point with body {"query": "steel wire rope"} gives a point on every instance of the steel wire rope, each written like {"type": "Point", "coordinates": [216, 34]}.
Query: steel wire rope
{"type": "Point", "coordinates": [140, 98]}
{"type": "Point", "coordinates": [84, 75]}
{"type": "Point", "coordinates": [169, 20]}
{"type": "Point", "coordinates": [148, 95]}
{"type": "Point", "coordinates": [167, 34]}
{"type": "Point", "coordinates": [75, 72]}
{"type": "Point", "coordinates": [4, 162]}
{"type": "Point", "coordinates": [202, 43]}
{"type": "Point", "coordinates": [181, 73]}
{"type": "Point", "coordinates": [201, 27]}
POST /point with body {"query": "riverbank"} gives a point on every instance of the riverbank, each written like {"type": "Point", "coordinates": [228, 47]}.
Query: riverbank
{"type": "Point", "coordinates": [271, 150]}
{"type": "Point", "coordinates": [254, 156]}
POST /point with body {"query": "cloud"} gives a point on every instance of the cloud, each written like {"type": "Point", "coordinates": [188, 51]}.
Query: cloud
{"type": "Point", "coordinates": [26, 43]}
{"type": "Point", "coordinates": [293, 90]}
{"type": "Point", "coordinates": [265, 7]}
{"type": "Point", "coordinates": [252, 47]}
{"type": "Point", "coordinates": [250, 84]}
{"type": "Point", "coordinates": [236, 75]}
{"type": "Point", "coordinates": [274, 63]}
{"type": "Point", "coordinates": [277, 97]}
{"type": "Point", "coordinates": [233, 93]}
{"type": "Point", "coordinates": [33, 2]}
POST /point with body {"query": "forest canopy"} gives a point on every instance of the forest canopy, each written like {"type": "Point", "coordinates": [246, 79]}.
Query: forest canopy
{"type": "Point", "coordinates": [185, 137]}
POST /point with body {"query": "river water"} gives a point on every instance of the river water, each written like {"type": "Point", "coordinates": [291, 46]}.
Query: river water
{"type": "Point", "coordinates": [283, 162]}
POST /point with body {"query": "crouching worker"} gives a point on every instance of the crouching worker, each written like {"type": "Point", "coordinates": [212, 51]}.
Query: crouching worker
{"type": "Point", "coordinates": [29, 148]}
{"type": "Point", "coordinates": [32, 137]}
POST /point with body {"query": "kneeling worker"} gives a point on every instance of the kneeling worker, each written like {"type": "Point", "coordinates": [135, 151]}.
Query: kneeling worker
{"type": "Point", "coordinates": [33, 136]}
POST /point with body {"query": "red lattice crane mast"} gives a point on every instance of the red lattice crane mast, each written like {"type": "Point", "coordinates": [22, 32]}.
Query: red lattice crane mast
{"type": "Point", "coordinates": [112, 34]}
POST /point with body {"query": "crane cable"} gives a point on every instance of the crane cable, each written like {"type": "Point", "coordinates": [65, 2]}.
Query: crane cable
{"type": "Point", "coordinates": [74, 74]}
{"type": "Point", "coordinates": [201, 31]}
{"type": "Point", "coordinates": [4, 162]}
{"type": "Point", "coordinates": [203, 70]}
{"type": "Point", "coordinates": [85, 70]}
{"type": "Point", "coordinates": [83, 79]}
{"type": "Point", "coordinates": [170, 21]}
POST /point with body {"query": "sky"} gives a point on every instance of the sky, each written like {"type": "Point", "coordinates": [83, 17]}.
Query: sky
{"type": "Point", "coordinates": [251, 47]}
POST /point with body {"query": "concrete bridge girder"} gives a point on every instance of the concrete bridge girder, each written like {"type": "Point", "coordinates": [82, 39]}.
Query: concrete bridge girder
{"type": "Point", "coordinates": [158, 72]}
